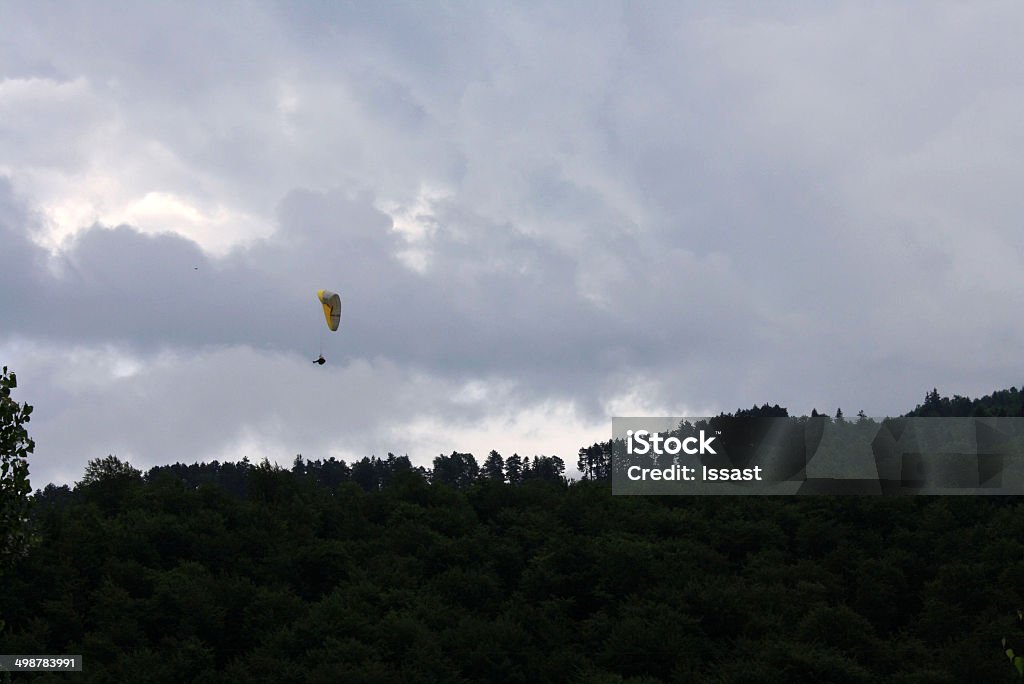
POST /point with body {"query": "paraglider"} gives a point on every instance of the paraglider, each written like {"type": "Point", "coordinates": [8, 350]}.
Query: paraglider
{"type": "Point", "coordinates": [331, 303]}
{"type": "Point", "coordinates": [332, 307]}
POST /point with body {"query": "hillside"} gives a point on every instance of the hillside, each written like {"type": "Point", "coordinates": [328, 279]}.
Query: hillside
{"type": "Point", "coordinates": [381, 572]}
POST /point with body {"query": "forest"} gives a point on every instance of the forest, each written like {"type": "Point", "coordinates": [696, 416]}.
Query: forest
{"type": "Point", "coordinates": [507, 571]}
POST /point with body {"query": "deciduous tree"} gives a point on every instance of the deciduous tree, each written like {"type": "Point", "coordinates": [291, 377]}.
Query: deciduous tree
{"type": "Point", "coordinates": [15, 446]}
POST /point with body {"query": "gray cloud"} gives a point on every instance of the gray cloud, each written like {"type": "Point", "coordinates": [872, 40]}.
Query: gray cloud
{"type": "Point", "coordinates": [581, 204]}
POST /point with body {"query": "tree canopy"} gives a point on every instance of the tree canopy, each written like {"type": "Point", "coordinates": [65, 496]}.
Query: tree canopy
{"type": "Point", "coordinates": [380, 571]}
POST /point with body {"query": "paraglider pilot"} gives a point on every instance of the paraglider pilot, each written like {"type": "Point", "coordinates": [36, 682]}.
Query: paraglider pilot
{"type": "Point", "coordinates": [332, 315]}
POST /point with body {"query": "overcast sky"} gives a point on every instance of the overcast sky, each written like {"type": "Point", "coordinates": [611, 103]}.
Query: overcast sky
{"type": "Point", "coordinates": [538, 215]}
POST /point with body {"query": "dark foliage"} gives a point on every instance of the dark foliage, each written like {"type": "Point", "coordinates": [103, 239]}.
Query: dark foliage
{"type": "Point", "coordinates": [382, 572]}
{"type": "Point", "coordinates": [15, 447]}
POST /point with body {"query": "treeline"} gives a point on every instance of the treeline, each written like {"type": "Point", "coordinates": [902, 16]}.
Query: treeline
{"type": "Point", "coordinates": [1004, 403]}
{"type": "Point", "coordinates": [370, 473]}
{"type": "Point", "coordinates": [380, 571]}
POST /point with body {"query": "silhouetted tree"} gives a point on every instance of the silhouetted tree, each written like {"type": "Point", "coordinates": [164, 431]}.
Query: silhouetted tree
{"type": "Point", "coordinates": [494, 467]}
{"type": "Point", "coordinates": [109, 481]}
{"type": "Point", "coordinates": [514, 469]}
{"type": "Point", "coordinates": [366, 474]}
{"type": "Point", "coordinates": [329, 473]}
{"type": "Point", "coordinates": [547, 468]}
{"type": "Point", "coordinates": [595, 461]}
{"type": "Point", "coordinates": [457, 470]}
{"type": "Point", "coordinates": [15, 447]}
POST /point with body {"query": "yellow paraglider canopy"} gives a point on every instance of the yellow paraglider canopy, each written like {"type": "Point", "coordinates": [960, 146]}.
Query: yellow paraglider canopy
{"type": "Point", "coordinates": [332, 307]}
